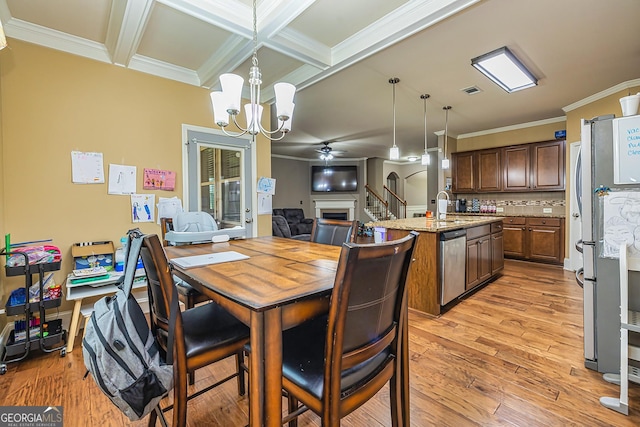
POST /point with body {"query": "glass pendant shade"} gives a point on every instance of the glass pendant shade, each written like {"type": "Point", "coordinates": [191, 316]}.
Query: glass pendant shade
{"type": "Point", "coordinates": [220, 115]}
{"type": "Point", "coordinates": [284, 99]}
{"type": "Point", "coordinates": [286, 126]}
{"type": "Point", "coordinates": [445, 163]}
{"type": "Point", "coordinates": [426, 159]}
{"type": "Point", "coordinates": [253, 123]}
{"type": "Point", "coordinates": [394, 153]}
{"type": "Point", "coordinates": [232, 89]}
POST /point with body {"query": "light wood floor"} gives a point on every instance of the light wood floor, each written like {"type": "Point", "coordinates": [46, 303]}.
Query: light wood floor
{"type": "Point", "coordinates": [510, 354]}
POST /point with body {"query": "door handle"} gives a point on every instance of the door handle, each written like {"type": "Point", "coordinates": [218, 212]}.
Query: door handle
{"type": "Point", "coordinates": [248, 220]}
{"type": "Point", "coordinates": [576, 215]}
{"type": "Point", "coordinates": [579, 246]}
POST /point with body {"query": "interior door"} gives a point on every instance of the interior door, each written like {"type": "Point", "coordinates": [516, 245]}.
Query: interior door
{"type": "Point", "coordinates": [218, 178]}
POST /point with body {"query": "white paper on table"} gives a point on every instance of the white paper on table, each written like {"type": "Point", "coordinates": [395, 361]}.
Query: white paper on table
{"type": "Point", "coordinates": [264, 204]}
{"type": "Point", "coordinates": [142, 207]}
{"type": "Point", "coordinates": [122, 179]}
{"type": "Point", "coordinates": [87, 168]}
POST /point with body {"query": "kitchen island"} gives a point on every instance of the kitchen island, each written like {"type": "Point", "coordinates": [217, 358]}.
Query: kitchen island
{"type": "Point", "coordinates": [483, 259]}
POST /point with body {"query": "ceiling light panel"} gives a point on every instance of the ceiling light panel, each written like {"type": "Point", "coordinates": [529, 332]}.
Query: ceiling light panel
{"type": "Point", "coordinates": [504, 69]}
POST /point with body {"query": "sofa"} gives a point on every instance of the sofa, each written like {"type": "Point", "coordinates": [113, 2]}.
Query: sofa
{"type": "Point", "coordinates": [298, 224]}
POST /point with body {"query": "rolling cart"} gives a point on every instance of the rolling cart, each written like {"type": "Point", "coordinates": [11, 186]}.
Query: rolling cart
{"type": "Point", "coordinates": [51, 336]}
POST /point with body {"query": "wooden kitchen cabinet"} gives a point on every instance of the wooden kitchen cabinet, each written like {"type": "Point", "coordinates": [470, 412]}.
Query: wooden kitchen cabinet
{"type": "Point", "coordinates": [515, 168]}
{"type": "Point", "coordinates": [463, 172]}
{"type": "Point", "coordinates": [514, 237]}
{"type": "Point", "coordinates": [479, 261]}
{"type": "Point", "coordinates": [489, 170]}
{"type": "Point", "coordinates": [534, 239]}
{"type": "Point", "coordinates": [547, 166]}
{"type": "Point", "coordinates": [544, 240]}
{"type": "Point", "coordinates": [497, 248]}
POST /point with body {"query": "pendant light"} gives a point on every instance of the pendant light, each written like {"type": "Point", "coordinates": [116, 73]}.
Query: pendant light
{"type": "Point", "coordinates": [394, 152]}
{"type": "Point", "coordinates": [445, 161]}
{"type": "Point", "coordinates": [425, 157]}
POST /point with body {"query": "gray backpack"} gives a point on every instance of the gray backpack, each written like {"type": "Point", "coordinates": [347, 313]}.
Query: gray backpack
{"type": "Point", "coordinates": [120, 351]}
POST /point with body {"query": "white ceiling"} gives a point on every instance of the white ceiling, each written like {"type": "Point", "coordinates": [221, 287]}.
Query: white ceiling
{"type": "Point", "coordinates": [340, 54]}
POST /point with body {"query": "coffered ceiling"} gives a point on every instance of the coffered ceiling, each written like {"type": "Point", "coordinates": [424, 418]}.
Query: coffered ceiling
{"type": "Point", "coordinates": [340, 54]}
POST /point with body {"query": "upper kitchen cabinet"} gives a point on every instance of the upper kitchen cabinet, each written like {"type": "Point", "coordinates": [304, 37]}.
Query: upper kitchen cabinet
{"type": "Point", "coordinates": [463, 172]}
{"type": "Point", "coordinates": [520, 168]}
{"type": "Point", "coordinates": [516, 168]}
{"type": "Point", "coordinates": [489, 170]}
{"type": "Point", "coordinates": [547, 166]}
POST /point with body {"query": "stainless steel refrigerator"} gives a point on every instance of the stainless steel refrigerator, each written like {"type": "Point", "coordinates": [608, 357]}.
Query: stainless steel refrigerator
{"type": "Point", "coordinates": [598, 175]}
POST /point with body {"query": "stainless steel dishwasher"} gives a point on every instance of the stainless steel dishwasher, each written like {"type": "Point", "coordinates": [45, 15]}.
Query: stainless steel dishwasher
{"type": "Point", "coordinates": [453, 261]}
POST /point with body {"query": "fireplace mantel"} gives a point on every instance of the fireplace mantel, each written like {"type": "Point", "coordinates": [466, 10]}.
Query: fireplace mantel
{"type": "Point", "coordinates": [336, 204]}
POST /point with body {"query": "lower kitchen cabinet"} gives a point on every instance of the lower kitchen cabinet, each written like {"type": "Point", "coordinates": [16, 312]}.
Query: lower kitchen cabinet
{"type": "Point", "coordinates": [534, 239]}
{"type": "Point", "coordinates": [497, 248]}
{"type": "Point", "coordinates": [479, 262]}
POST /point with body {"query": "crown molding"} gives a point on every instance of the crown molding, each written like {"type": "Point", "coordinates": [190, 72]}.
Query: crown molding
{"type": "Point", "coordinates": [514, 127]}
{"type": "Point", "coordinates": [602, 94]}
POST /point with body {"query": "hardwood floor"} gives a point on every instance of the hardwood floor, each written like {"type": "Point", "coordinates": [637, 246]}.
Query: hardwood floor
{"type": "Point", "coordinates": [510, 354]}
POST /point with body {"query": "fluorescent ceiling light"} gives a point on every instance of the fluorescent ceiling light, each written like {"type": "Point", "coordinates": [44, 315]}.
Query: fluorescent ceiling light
{"type": "Point", "coordinates": [505, 70]}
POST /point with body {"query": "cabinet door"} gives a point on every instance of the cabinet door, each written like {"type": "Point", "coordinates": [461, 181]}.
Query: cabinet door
{"type": "Point", "coordinates": [484, 257]}
{"type": "Point", "coordinates": [472, 264]}
{"type": "Point", "coordinates": [516, 168]}
{"type": "Point", "coordinates": [462, 172]}
{"type": "Point", "coordinates": [544, 243]}
{"type": "Point", "coordinates": [497, 252]}
{"type": "Point", "coordinates": [514, 238]}
{"type": "Point", "coordinates": [489, 170]}
{"type": "Point", "coordinates": [547, 166]}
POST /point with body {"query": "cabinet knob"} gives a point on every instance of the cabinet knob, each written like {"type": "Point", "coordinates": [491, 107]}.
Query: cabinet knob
{"type": "Point", "coordinates": [523, 228]}
{"type": "Point", "coordinates": [529, 229]}
{"type": "Point", "coordinates": [544, 222]}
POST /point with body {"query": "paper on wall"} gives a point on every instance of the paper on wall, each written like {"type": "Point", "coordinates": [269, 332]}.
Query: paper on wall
{"type": "Point", "coordinates": [87, 168]}
{"type": "Point", "coordinates": [122, 179]}
{"type": "Point", "coordinates": [142, 207]}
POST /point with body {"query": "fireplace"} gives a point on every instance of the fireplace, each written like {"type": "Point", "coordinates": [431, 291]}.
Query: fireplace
{"type": "Point", "coordinates": [335, 215]}
{"type": "Point", "coordinates": [344, 207]}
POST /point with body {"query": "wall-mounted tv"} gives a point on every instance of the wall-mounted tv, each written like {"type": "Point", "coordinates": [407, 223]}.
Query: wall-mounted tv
{"type": "Point", "coordinates": [329, 179]}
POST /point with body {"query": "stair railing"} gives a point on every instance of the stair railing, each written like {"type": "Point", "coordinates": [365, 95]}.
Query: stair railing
{"type": "Point", "coordinates": [398, 207]}
{"type": "Point", "coordinates": [376, 204]}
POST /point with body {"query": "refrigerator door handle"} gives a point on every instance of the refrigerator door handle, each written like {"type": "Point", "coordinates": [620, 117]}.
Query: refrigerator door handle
{"type": "Point", "coordinates": [579, 246]}
{"type": "Point", "coordinates": [579, 280]}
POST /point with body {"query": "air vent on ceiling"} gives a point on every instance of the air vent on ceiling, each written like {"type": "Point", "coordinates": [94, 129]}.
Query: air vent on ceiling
{"type": "Point", "coordinates": [471, 90]}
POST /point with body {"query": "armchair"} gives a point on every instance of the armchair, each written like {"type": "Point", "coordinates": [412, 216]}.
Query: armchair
{"type": "Point", "coordinates": [297, 222]}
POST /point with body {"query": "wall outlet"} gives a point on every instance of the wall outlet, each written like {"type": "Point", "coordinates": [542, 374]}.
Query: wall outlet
{"type": "Point", "coordinates": [499, 210]}
{"type": "Point", "coordinates": [547, 210]}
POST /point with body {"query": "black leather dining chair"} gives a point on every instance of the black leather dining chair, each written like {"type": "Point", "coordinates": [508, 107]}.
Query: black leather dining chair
{"type": "Point", "coordinates": [334, 231]}
{"type": "Point", "coordinates": [202, 335]}
{"type": "Point", "coordinates": [335, 363]}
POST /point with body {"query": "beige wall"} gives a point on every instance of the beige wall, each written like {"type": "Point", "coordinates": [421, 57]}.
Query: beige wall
{"type": "Point", "coordinates": [512, 137]}
{"type": "Point", "coordinates": [54, 103]}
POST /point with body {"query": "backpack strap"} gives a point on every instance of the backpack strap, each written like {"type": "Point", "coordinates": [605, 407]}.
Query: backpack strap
{"type": "Point", "coordinates": [173, 313]}
{"type": "Point", "coordinates": [131, 259]}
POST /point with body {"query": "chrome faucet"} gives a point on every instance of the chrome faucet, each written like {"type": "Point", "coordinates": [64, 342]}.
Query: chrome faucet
{"type": "Point", "coordinates": [441, 214]}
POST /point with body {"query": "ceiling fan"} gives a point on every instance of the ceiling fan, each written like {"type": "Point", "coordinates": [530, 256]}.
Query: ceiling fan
{"type": "Point", "coordinates": [326, 152]}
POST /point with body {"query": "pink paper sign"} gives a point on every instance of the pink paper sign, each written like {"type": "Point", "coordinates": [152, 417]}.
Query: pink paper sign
{"type": "Point", "coordinates": [156, 179]}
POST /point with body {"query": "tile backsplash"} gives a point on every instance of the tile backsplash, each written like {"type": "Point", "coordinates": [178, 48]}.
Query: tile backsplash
{"type": "Point", "coordinates": [523, 203]}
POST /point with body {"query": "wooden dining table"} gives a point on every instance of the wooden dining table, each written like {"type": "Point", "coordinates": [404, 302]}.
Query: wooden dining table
{"type": "Point", "coordinates": [283, 283]}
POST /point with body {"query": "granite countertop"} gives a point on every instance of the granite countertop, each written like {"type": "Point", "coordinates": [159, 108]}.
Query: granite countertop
{"type": "Point", "coordinates": [504, 214]}
{"type": "Point", "coordinates": [431, 225]}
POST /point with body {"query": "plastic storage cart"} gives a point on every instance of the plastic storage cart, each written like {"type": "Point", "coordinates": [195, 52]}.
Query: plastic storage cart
{"type": "Point", "coordinates": [51, 337]}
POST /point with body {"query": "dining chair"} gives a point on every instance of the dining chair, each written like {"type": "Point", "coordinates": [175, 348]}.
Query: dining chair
{"type": "Point", "coordinates": [335, 363]}
{"type": "Point", "coordinates": [186, 293]}
{"type": "Point", "coordinates": [333, 231]}
{"type": "Point", "coordinates": [202, 335]}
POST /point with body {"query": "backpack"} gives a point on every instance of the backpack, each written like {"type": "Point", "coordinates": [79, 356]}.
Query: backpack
{"type": "Point", "coordinates": [120, 351]}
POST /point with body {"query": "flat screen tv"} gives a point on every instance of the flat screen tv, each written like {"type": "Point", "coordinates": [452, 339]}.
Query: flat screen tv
{"type": "Point", "coordinates": [329, 179]}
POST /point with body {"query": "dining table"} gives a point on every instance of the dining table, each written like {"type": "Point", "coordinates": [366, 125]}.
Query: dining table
{"type": "Point", "coordinates": [281, 284]}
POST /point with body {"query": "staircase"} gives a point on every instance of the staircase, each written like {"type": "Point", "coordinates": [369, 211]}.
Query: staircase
{"type": "Point", "coordinates": [377, 209]}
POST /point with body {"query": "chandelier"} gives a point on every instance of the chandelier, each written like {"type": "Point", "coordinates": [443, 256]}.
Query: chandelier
{"type": "Point", "coordinates": [227, 102]}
